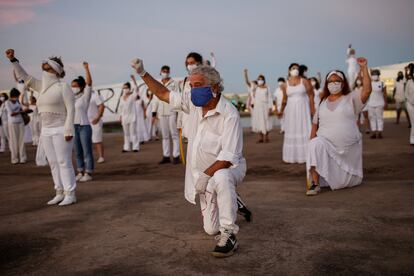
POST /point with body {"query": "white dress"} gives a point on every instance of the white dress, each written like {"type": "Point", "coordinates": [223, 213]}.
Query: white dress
{"type": "Point", "coordinates": [278, 96]}
{"type": "Point", "coordinates": [262, 103]}
{"type": "Point", "coordinates": [297, 124]}
{"type": "Point", "coordinates": [336, 152]}
{"type": "Point", "coordinates": [142, 130]}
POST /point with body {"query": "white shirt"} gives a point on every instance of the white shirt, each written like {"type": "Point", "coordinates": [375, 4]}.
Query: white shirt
{"type": "Point", "coordinates": [216, 136]}
{"type": "Point", "coordinates": [163, 108]}
{"type": "Point", "coordinates": [96, 101]}
{"type": "Point", "coordinates": [409, 91]}
{"type": "Point", "coordinates": [376, 98]}
{"type": "Point", "coordinates": [13, 108]}
{"type": "Point", "coordinates": [352, 64]}
{"type": "Point", "coordinates": [399, 90]}
{"type": "Point", "coordinates": [81, 106]}
{"type": "Point", "coordinates": [278, 95]}
{"type": "Point", "coordinates": [127, 107]}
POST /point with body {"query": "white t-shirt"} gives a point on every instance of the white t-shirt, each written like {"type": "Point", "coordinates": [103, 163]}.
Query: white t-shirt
{"type": "Point", "coordinates": [96, 101]}
{"type": "Point", "coordinates": [399, 91]}
{"type": "Point", "coordinates": [82, 106]}
{"type": "Point", "coordinates": [13, 108]}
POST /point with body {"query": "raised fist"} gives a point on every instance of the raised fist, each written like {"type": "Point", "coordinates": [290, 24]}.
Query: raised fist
{"type": "Point", "coordinates": [10, 54]}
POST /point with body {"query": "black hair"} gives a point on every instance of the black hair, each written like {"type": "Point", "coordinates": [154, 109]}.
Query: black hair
{"type": "Point", "coordinates": [400, 75]}
{"type": "Point", "coordinates": [411, 67]}
{"type": "Point", "coordinates": [262, 77]}
{"type": "Point", "coordinates": [165, 67]}
{"type": "Point", "coordinates": [293, 64]}
{"type": "Point", "coordinates": [6, 97]}
{"type": "Point", "coordinates": [14, 93]}
{"type": "Point", "coordinates": [375, 72]}
{"type": "Point", "coordinates": [281, 80]}
{"type": "Point", "coordinates": [81, 82]}
{"type": "Point", "coordinates": [317, 85]}
{"type": "Point", "coordinates": [128, 84]}
{"type": "Point", "coordinates": [302, 69]}
{"type": "Point", "coordinates": [196, 56]}
{"type": "Point", "coordinates": [60, 62]}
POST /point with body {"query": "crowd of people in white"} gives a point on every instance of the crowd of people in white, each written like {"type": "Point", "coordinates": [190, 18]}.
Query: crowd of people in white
{"type": "Point", "coordinates": [322, 121]}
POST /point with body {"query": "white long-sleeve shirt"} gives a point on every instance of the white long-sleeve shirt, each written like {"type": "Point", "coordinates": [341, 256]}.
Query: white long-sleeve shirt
{"type": "Point", "coordinates": [216, 136]}
{"type": "Point", "coordinates": [127, 106]}
{"type": "Point", "coordinates": [81, 106]}
{"type": "Point", "coordinates": [56, 101]}
{"type": "Point", "coordinates": [163, 108]}
{"type": "Point", "coordinates": [13, 108]}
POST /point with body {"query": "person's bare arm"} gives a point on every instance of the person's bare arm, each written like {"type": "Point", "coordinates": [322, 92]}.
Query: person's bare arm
{"type": "Point", "coordinates": [384, 90]}
{"type": "Point", "coordinates": [246, 78]}
{"type": "Point", "coordinates": [153, 85]}
{"type": "Point", "coordinates": [218, 165]}
{"type": "Point", "coordinates": [311, 95]}
{"type": "Point", "coordinates": [134, 80]}
{"type": "Point", "coordinates": [314, 130]}
{"type": "Point", "coordinates": [285, 99]}
{"type": "Point", "coordinates": [87, 74]}
{"type": "Point", "coordinates": [366, 79]}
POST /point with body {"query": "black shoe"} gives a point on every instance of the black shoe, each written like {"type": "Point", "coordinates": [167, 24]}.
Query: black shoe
{"type": "Point", "coordinates": [165, 160]}
{"type": "Point", "coordinates": [123, 151]}
{"type": "Point", "coordinates": [226, 246]}
{"type": "Point", "coordinates": [135, 150]}
{"type": "Point", "coordinates": [242, 210]}
{"type": "Point", "coordinates": [176, 160]}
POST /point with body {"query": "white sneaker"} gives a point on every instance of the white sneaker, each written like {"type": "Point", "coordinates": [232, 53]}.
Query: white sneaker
{"type": "Point", "coordinates": [100, 160]}
{"type": "Point", "coordinates": [313, 190]}
{"type": "Point", "coordinates": [86, 177]}
{"type": "Point", "coordinates": [58, 198]}
{"type": "Point", "coordinates": [79, 176]}
{"type": "Point", "coordinates": [70, 198]}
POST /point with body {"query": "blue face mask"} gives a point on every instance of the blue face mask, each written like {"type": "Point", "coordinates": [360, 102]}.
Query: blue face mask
{"type": "Point", "coordinates": [200, 96]}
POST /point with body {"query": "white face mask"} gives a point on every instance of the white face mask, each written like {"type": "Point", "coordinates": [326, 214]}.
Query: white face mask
{"type": "Point", "coordinates": [294, 72]}
{"type": "Point", "coordinates": [280, 83]}
{"type": "Point", "coordinates": [191, 67]}
{"type": "Point", "coordinates": [375, 78]}
{"type": "Point", "coordinates": [76, 90]}
{"type": "Point", "coordinates": [313, 83]}
{"type": "Point", "coordinates": [165, 75]}
{"type": "Point", "coordinates": [260, 82]}
{"type": "Point", "coordinates": [126, 90]}
{"type": "Point", "coordinates": [359, 83]}
{"type": "Point", "coordinates": [335, 87]}
{"type": "Point", "coordinates": [2, 99]}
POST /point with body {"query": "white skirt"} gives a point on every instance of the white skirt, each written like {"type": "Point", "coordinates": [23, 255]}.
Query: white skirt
{"type": "Point", "coordinates": [297, 127]}
{"type": "Point", "coordinates": [261, 121]}
{"type": "Point", "coordinates": [337, 170]}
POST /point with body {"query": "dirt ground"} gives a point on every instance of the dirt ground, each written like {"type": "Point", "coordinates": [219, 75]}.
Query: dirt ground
{"type": "Point", "coordinates": [133, 219]}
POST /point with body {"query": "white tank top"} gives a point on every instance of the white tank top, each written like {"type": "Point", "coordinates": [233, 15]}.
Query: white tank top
{"type": "Point", "coordinates": [297, 91]}
{"type": "Point", "coordinates": [376, 98]}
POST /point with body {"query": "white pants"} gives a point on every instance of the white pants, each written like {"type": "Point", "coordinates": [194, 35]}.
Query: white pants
{"type": "Point", "coordinates": [130, 136]}
{"type": "Point", "coordinates": [59, 155]}
{"type": "Point", "coordinates": [219, 203]}
{"type": "Point", "coordinates": [169, 129]}
{"type": "Point", "coordinates": [410, 109]}
{"type": "Point", "coordinates": [97, 132]}
{"type": "Point", "coordinates": [35, 129]}
{"type": "Point", "coordinates": [16, 142]}
{"type": "Point", "coordinates": [4, 136]}
{"type": "Point", "coordinates": [376, 118]}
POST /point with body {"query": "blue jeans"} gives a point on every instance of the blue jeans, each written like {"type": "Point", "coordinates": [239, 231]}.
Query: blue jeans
{"type": "Point", "coordinates": [83, 148]}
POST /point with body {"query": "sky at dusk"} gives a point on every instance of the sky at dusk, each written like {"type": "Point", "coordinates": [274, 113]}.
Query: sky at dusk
{"type": "Point", "coordinates": [264, 36]}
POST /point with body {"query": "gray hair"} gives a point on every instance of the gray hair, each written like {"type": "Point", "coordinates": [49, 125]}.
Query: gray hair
{"type": "Point", "coordinates": [210, 73]}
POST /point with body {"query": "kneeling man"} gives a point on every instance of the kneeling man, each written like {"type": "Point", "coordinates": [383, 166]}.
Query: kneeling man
{"type": "Point", "coordinates": [215, 165]}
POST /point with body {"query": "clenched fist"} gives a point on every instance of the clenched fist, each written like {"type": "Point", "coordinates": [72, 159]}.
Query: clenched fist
{"type": "Point", "coordinates": [362, 62]}
{"type": "Point", "coordinates": [138, 65]}
{"type": "Point", "coordinates": [10, 54]}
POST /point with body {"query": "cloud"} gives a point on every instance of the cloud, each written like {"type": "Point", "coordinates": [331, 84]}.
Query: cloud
{"type": "Point", "coordinates": [14, 12]}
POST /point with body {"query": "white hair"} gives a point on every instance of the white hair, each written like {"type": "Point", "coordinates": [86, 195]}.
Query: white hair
{"type": "Point", "coordinates": [210, 73]}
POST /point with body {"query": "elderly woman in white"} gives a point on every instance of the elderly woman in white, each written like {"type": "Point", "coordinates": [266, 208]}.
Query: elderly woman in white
{"type": "Point", "coordinates": [335, 150]}
{"type": "Point", "coordinates": [56, 104]}
{"type": "Point", "coordinates": [215, 164]}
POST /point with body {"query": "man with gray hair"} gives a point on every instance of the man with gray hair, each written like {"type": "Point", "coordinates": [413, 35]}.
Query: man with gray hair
{"type": "Point", "coordinates": [215, 164]}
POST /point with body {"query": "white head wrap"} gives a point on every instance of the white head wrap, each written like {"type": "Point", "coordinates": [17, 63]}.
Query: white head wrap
{"type": "Point", "coordinates": [55, 66]}
{"type": "Point", "coordinates": [334, 72]}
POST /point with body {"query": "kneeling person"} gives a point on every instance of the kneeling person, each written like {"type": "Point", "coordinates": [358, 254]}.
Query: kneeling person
{"type": "Point", "coordinates": [215, 165]}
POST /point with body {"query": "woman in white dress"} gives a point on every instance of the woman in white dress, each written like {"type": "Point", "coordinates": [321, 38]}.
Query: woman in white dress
{"type": "Point", "coordinates": [129, 118]}
{"type": "Point", "coordinates": [140, 109]}
{"type": "Point", "coordinates": [399, 97]}
{"type": "Point", "coordinates": [34, 120]}
{"type": "Point", "coordinates": [335, 151]}
{"type": "Point", "coordinates": [278, 99]}
{"type": "Point", "coordinates": [317, 91]}
{"type": "Point", "coordinates": [297, 109]}
{"type": "Point", "coordinates": [409, 95]}
{"type": "Point", "coordinates": [262, 107]}
{"type": "Point", "coordinates": [376, 104]}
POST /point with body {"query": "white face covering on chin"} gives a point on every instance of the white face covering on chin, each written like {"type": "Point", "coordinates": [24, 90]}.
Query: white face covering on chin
{"type": "Point", "coordinates": [48, 79]}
